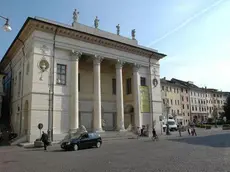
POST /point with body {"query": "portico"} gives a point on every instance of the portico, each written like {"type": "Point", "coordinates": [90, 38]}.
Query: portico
{"type": "Point", "coordinates": [117, 97]}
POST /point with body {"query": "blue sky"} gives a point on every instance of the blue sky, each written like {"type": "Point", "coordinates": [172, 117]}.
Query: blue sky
{"type": "Point", "coordinates": [195, 35]}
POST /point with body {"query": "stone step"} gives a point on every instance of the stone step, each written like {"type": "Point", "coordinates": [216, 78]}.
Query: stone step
{"type": "Point", "coordinates": [117, 135]}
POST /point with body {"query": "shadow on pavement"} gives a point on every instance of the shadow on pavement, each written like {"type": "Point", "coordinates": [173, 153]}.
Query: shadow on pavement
{"type": "Point", "coordinates": [219, 140]}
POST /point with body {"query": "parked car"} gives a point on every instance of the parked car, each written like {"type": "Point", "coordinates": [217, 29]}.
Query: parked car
{"type": "Point", "coordinates": [85, 140]}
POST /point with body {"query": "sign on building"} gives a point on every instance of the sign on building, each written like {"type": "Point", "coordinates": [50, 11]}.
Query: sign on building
{"type": "Point", "coordinates": [145, 103]}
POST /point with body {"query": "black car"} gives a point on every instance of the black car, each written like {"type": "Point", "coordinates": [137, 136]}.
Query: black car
{"type": "Point", "coordinates": [85, 140]}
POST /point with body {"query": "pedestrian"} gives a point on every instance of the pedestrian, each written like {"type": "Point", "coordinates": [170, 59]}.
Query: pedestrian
{"type": "Point", "coordinates": [179, 128]}
{"type": "Point", "coordinates": [194, 131]}
{"type": "Point", "coordinates": [154, 133]}
{"type": "Point", "coordinates": [189, 131]}
{"type": "Point", "coordinates": [44, 139]}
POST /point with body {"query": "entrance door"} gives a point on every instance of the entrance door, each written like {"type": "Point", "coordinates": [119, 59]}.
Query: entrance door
{"type": "Point", "coordinates": [86, 120]}
{"type": "Point", "coordinates": [109, 121]}
{"type": "Point", "coordinates": [127, 120]}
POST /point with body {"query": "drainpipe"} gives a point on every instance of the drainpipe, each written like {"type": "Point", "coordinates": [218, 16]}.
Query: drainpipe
{"type": "Point", "coordinates": [22, 84]}
{"type": "Point", "coordinates": [150, 99]}
{"type": "Point", "coordinates": [51, 92]}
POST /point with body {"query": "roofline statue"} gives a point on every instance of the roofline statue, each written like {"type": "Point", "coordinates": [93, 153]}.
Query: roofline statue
{"type": "Point", "coordinates": [96, 22]}
{"type": "Point", "coordinates": [75, 16]}
{"type": "Point", "coordinates": [133, 34]}
{"type": "Point", "coordinates": [118, 29]}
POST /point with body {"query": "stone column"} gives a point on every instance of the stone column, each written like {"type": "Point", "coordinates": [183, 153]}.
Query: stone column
{"type": "Point", "coordinates": [119, 96]}
{"type": "Point", "coordinates": [74, 98]}
{"type": "Point", "coordinates": [136, 96]}
{"type": "Point", "coordinates": [97, 125]}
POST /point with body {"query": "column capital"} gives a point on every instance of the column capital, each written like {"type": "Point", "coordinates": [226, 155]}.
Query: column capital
{"type": "Point", "coordinates": [97, 59]}
{"type": "Point", "coordinates": [119, 64]}
{"type": "Point", "coordinates": [75, 55]}
{"type": "Point", "coordinates": [136, 67]}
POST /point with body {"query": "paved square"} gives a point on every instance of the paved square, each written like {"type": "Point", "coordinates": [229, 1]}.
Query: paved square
{"type": "Point", "coordinates": [208, 152]}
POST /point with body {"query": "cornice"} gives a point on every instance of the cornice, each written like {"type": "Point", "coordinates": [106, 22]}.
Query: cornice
{"type": "Point", "coordinates": [32, 24]}
{"type": "Point", "coordinates": [74, 34]}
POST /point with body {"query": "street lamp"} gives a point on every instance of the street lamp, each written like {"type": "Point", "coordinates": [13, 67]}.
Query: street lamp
{"type": "Point", "coordinates": [167, 126]}
{"type": "Point", "coordinates": [6, 27]}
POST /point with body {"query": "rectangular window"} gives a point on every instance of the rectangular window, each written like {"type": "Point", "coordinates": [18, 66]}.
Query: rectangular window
{"type": "Point", "coordinates": [114, 86]}
{"type": "Point", "coordinates": [61, 74]}
{"type": "Point", "coordinates": [162, 87]}
{"type": "Point", "coordinates": [183, 106]}
{"type": "Point", "coordinates": [143, 81]}
{"type": "Point", "coordinates": [171, 102]}
{"type": "Point", "coordinates": [178, 102]}
{"type": "Point", "coordinates": [187, 106]}
{"type": "Point", "coordinates": [128, 86]}
{"type": "Point", "coordinates": [182, 98]}
{"type": "Point", "coordinates": [175, 102]}
{"type": "Point", "coordinates": [187, 99]}
{"type": "Point", "coordinates": [19, 83]}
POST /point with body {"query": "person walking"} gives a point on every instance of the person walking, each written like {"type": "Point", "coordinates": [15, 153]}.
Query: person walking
{"type": "Point", "coordinates": [154, 133]}
{"type": "Point", "coordinates": [189, 131]}
{"type": "Point", "coordinates": [44, 139]}
{"type": "Point", "coordinates": [179, 128]}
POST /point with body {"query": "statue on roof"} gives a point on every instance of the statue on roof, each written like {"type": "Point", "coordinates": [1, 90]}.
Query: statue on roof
{"type": "Point", "coordinates": [75, 16]}
{"type": "Point", "coordinates": [118, 29]}
{"type": "Point", "coordinates": [133, 34]}
{"type": "Point", "coordinates": [96, 22]}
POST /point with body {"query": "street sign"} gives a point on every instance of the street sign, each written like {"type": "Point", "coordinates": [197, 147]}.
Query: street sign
{"type": "Point", "coordinates": [40, 126]}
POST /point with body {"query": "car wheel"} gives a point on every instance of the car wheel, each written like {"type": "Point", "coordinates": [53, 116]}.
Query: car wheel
{"type": "Point", "coordinates": [98, 144]}
{"type": "Point", "coordinates": [75, 147]}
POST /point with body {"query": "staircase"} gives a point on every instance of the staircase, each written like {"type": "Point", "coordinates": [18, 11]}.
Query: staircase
{"type": "Point", "coordinates": [18, 140]}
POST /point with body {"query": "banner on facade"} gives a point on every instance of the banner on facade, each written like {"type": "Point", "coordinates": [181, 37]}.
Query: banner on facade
{"type": "Point", "coordinates": [145, 104]}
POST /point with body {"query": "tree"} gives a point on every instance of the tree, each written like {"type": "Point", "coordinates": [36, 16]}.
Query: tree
{"type": "Point", "coordinates": [227, 108]}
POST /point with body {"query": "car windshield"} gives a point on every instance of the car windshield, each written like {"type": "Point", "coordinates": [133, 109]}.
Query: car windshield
{"type": "Point", "coordinates": [74, 135]}
{"type": "Point", "coordinates": [171, 123]}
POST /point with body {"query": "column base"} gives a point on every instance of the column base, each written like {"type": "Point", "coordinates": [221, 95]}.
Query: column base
{"type": "Point", "coordinates": [100, 130]}
{"type": "Point", "coordinates": [73, 130]}
{"type": "Point", "coordinates": [121, 130]}
{"type": "Point", "coordinates": [150, 133]}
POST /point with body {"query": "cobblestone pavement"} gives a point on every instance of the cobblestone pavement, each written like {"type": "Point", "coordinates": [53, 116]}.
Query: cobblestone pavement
{"type": "Point", "coordinates": [208, 152]}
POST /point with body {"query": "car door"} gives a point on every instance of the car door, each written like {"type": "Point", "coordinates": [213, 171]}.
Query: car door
{"type": "Point", "coordinates": [84, 141]}
{"type": "Point", "coordinates": [92, 140]}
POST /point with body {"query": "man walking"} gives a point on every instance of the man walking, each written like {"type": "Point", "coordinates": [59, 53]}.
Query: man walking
{"type": "Point", "coordinates": [44, 139]}
{"type": "Point", "coordinates": [179, 128]}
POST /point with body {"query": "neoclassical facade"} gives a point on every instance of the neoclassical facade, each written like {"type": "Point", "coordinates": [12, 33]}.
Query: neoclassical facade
{"type": "Point", "coordinates": [65, 76]}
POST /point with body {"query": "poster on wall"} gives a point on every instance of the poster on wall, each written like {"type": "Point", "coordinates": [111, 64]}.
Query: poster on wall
{"type": "Point", "coordinates": [145, 104]}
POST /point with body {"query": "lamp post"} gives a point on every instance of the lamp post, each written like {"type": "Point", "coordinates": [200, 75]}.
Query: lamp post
{"type": "Point", "coordinates": [167, 126]}
{"type": "Point", "coordinates": [6, 27]}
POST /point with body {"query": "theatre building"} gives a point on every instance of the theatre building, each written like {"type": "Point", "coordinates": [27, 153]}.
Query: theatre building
{"type": "Point", "coordinates": [65, 76]}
